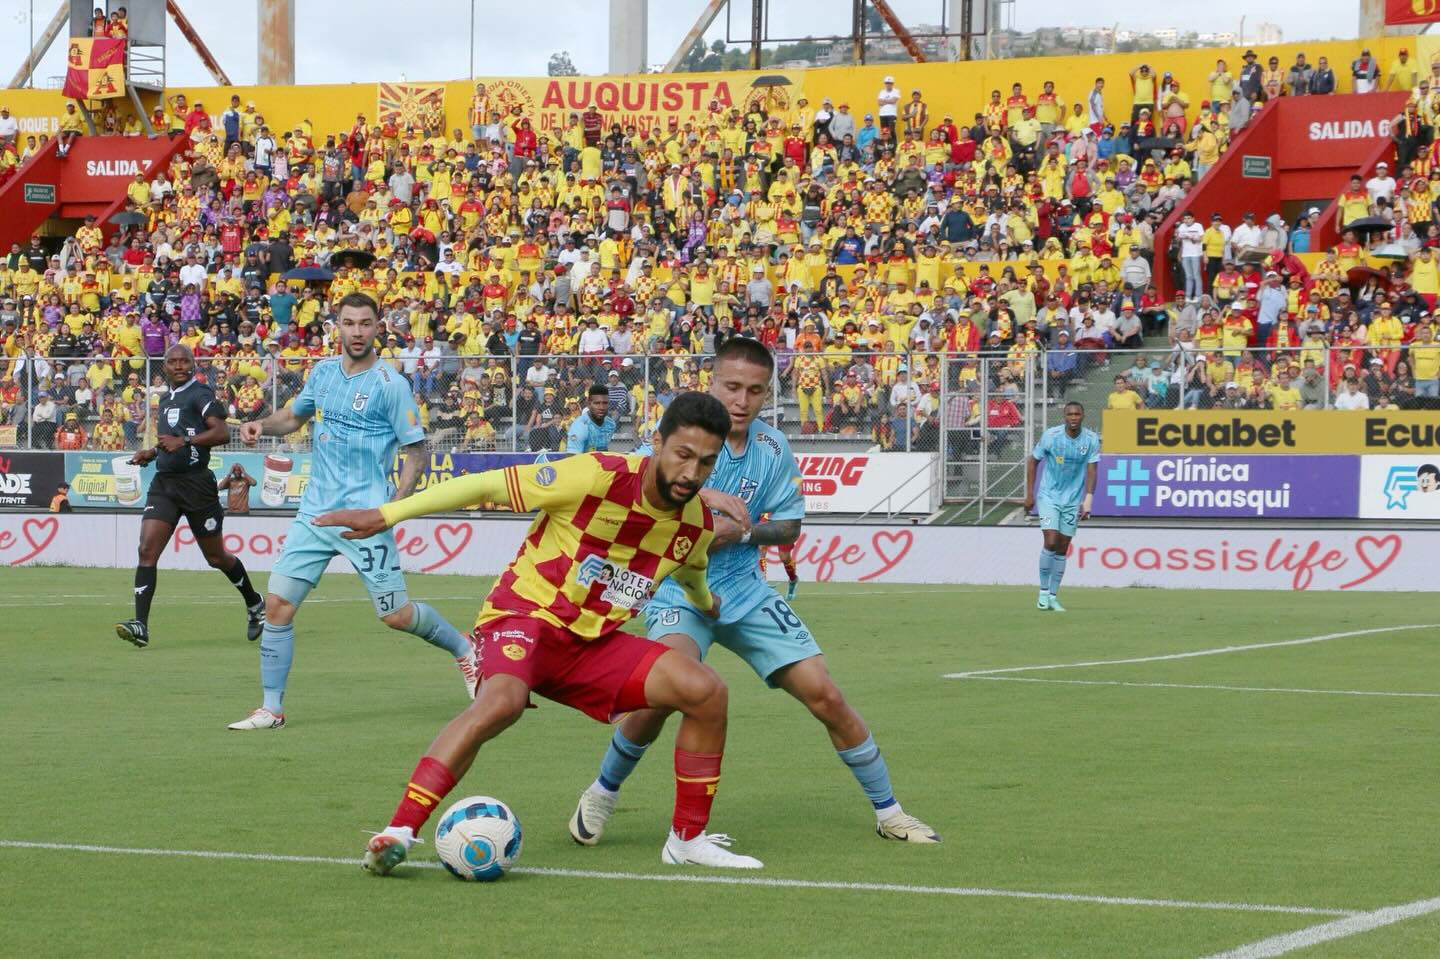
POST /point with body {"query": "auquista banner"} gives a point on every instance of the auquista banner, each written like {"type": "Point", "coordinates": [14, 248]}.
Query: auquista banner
{"type": "Point", "coordinates": [1270, 431]}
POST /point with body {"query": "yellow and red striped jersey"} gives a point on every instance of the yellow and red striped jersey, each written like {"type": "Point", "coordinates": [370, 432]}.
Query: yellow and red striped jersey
{"type": "Point", "coordinates": [597, 550]}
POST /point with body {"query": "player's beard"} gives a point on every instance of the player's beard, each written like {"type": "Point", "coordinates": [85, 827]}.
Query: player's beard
{"type": "Point", "coordinates": [667, 490]}
{"type": "Point", "coordinates": [365, 350]}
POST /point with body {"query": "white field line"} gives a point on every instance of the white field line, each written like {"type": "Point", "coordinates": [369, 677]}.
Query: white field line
{"type": "Point", "coordinates": [1329, 931]}
{"type": "Point", "coordinates": [1238, 689]}
{"type": "Point", "coordinates": [1217, 651]}
{"type": "Point", "coordinates": [711, 879]}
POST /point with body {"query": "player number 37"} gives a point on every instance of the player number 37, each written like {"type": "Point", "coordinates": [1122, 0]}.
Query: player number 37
{"type": "Point", "coordinates": [369, 563]}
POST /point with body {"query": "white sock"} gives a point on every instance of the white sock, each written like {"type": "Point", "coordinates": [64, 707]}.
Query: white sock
{"type": "Point", "coordinates": [889, 812]}
{"type": "Point", "coordinates": [599, 787]}
{"type": "Point", "coordinates": [403, 833]}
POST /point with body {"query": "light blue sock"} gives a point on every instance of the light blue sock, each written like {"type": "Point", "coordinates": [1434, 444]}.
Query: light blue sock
{"type": "Point", "coordinates": [1057, 572]}
{"type": "Point", "coordinates": [277, 650]}
{"type": "Point", "coordinates": [1047, 560]}
{"type": "Point", "coordinates": [869, 768]}
{"type": "Point", "coordinates": [437, 631]}
{"type": "Point", "coordinates": [619, 762]}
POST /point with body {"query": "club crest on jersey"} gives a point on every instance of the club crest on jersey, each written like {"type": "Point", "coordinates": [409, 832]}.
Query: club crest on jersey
{"type": "Point", "coordinates": [358, 403]}
{"type": "Point", "coordinates": [682, 547]}
{"type": "Point", "coordinates": [172, 417]}
{"type": "Point", "coordinates": [747, 489]}
{"type": "Point", "coordinates": [545, 475]}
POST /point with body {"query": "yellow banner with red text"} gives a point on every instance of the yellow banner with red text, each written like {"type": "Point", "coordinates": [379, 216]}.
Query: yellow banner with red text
{"type": "Point", "coordinates": [1266, 431]}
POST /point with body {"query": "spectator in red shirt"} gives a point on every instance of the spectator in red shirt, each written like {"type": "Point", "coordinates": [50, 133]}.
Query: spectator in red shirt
{"type": "Point", "coordinates": [1002, 417]}
{"type": "Point", "coordinates": [592, 124]}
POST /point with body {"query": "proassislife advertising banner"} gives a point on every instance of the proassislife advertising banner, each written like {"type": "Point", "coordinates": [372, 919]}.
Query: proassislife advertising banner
{"type": "Point", "coordinates": [1268, 487]}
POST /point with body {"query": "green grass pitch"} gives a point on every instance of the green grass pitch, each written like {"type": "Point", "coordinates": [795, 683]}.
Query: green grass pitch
{"type": "Point", "coordinates": [1151, 790]}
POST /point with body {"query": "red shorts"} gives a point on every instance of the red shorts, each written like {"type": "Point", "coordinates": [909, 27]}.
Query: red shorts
{"type": "Point", "coordinates": [603, 678]}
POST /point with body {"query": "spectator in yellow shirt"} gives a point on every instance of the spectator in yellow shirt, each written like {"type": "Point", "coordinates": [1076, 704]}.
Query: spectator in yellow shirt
{"type": "Point", "coordinates": [1123, 397]}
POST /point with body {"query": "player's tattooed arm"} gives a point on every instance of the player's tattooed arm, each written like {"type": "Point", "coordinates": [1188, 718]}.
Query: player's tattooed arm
{"type": "Point", "coordinates": [412, 465]}
{"type": "Point", "coordinates": [775, 533]}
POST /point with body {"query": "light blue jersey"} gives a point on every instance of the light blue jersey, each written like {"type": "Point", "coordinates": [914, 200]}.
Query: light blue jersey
{"type": "Point", "coordinates": [360, 420]}
{"type": "Point", "coordinates": [587, 436]}
{"type": "Point", "coordinates": [1064, 460]}
{"type": "Point", "coordinates": [767, 479]}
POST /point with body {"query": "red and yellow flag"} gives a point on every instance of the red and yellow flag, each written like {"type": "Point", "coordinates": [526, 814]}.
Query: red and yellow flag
{"type": "Point", "coordinates": [406, 104]}
{"type": "Point", "coordinates": [95, 69]}
{"type": "Point", "coordinates": [1412, 11]}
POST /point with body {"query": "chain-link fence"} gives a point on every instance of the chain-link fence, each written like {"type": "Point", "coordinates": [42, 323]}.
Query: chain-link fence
{"type": "Point", "coordinates": [980, 412]}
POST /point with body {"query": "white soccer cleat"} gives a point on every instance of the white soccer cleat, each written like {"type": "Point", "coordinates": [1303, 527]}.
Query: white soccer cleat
{"type": "Point", "coordinates": [1044, 601]}
{"type": "Point", "coordinates": [906, 828]}
{"type": "Point", "coordinates": [261, 718]}
{"type": "Point", "coordinates": [591, 814]}
{"type": "Point", "coordinates": [706, 849]}
{"type": "Point", "coordinates": [469, 666]}
{"type": "Point", "coordinates": [384, 852]}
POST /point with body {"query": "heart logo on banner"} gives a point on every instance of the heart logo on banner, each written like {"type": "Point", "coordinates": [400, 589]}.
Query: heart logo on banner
{"type": "Point", "coordinates": [452, 538]}
{"type": "Point", "coordinates": [38, 533]}
{"type": "Point", "coordinates": [1377, 553]}
{"type": "Point", "coordinates": [891, 548]}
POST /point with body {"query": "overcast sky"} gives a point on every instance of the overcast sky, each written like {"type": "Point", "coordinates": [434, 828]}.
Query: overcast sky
{"type": "Point", "coordinates": [365, 40]}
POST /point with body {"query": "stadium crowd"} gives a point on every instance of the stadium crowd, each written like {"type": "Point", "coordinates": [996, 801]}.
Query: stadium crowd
{"type": "Point", "coordinates": [912, 270]}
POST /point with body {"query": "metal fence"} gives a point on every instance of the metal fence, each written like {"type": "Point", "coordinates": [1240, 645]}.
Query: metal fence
{"type": "Point", "coordinates": [981, 412]}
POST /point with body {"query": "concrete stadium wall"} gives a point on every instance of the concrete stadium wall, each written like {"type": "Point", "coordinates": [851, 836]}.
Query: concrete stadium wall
{"type": "Point", "coordinates": [649, 99]}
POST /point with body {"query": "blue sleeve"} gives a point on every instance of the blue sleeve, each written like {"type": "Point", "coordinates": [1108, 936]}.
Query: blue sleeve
{"type": "Point", "coordinates": [1094, 449]}
{"type": "Point", "coordinates": [644, 449]}
{"type": "Point", "coordinates": [1041, 447]}
{"type": "Point", "coordinates": [783, 497]}
{"type": "Point", "coordinates": [404, 414]}
{"type": "Point", "coordinates": [303, 405]}
{"type": "Point", "coordinates": [577, 436]}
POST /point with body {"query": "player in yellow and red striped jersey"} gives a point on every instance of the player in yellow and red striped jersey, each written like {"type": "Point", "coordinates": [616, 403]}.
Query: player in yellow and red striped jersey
{"type": "Point", "coordinates": [609, 529]}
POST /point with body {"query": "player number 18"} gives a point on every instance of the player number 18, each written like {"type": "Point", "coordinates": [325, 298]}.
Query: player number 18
{"type": "Point", "coordinates": [782, 616]}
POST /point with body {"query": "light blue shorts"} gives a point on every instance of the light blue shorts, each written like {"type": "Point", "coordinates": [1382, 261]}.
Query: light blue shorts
{"type": "Point", "coordinates": [768, 638]}
{"type": "Point", "coordinates": [1063, 519]}
{"type": "Point", "coordinates": [308, 550]}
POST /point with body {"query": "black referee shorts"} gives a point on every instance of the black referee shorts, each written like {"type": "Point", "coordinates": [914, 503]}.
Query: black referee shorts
{"type": "Point", "coordinates": [192, 495]}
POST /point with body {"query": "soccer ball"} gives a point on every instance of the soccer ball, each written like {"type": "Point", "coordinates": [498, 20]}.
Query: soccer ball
{"type": "Point", "coordinates": [478, 839]}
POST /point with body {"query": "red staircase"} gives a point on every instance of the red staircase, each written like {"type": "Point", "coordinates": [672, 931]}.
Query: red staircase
{"type": "Point", "coordinates": [1297, 152]}
{"type": "Point", "coordinates": [91, 179]}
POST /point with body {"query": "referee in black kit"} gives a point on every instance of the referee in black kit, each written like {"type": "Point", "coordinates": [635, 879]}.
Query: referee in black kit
{"type": "Point", "coordinates": [190, 421]}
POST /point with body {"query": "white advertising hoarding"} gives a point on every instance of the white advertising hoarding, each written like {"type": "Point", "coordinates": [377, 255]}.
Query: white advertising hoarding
{"type": "Point", "coordinates": [859, 482]}
{"type": "Point", "coordinates": [1400, 487]}
{"type": "Point", "coordinates": [1283, 559]}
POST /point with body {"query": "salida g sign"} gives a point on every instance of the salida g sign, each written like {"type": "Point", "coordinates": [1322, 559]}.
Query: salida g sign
{"type": "Point", "coordinates": [1240, 487]}
{"type": "Point", "coordinates": [1336, 131]}
{"type": "Point", "coordinates": [1273, 432]}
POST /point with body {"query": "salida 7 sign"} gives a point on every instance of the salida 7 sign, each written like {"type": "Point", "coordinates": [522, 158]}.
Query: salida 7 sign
{"type": "Point", "coordinates": [857, 482]}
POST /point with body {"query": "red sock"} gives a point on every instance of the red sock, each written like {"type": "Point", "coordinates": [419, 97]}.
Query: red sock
{"type": "Point", "coordinates": [428, 785]}
{"type": "Point", "coordinates": [697, 775]}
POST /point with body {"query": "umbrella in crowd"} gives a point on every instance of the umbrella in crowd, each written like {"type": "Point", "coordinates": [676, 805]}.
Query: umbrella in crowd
{"type": "Point", "coordinates": [1359, 276]}
{"type": "Point", "coordinates": [353, 259]}
{"type": "Point", "coordinates": [1368, 226]}
{"type": "Point", "coordinates": [309, 273]}
{"type": "Point", "coordinates": [129, 219]}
